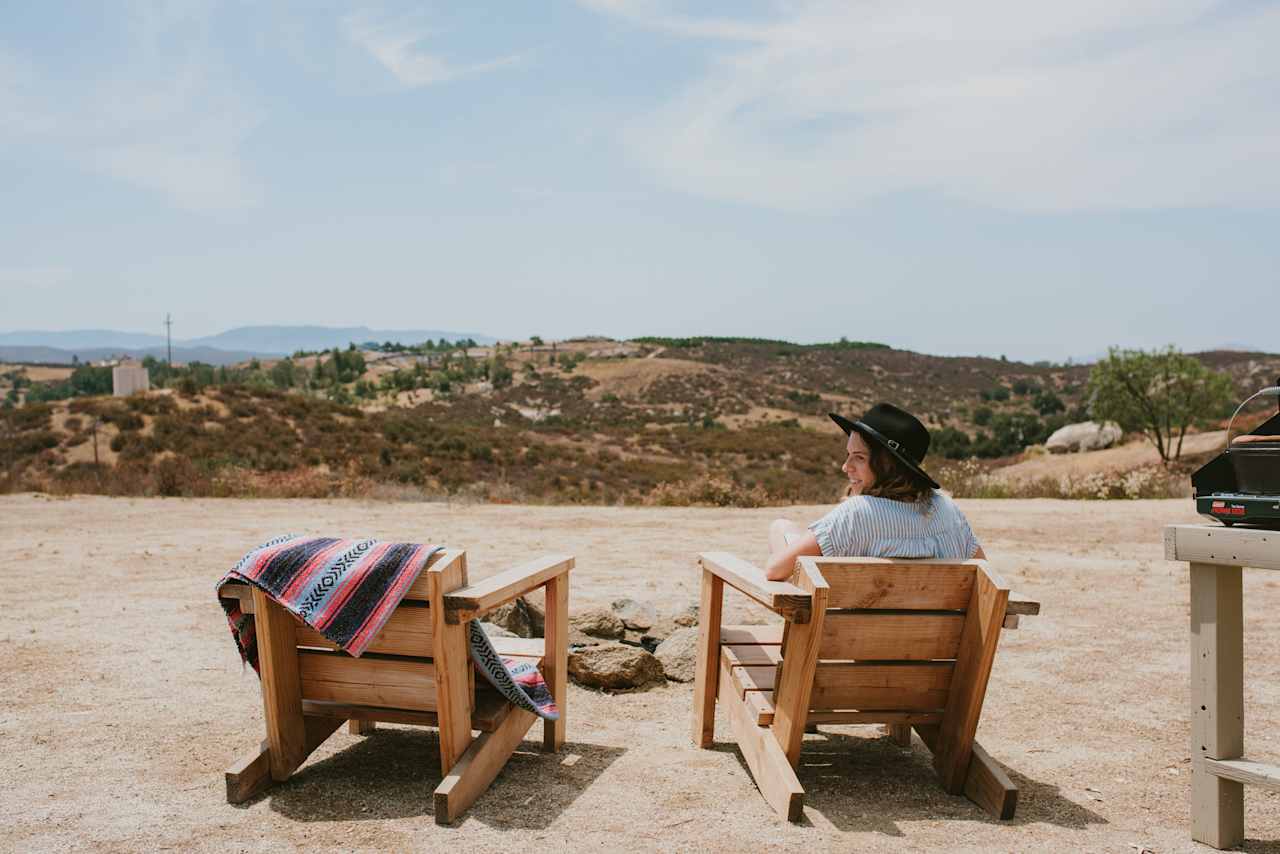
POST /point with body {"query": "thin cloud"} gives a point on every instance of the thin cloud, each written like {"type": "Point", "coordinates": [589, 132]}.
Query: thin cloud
{"type": "Point", "coordinates": [653, 16]}
{"type": "Point", "coordinates": [33, 277]}
{"type": "Point", "coordinates": [160, 118]}
{"type": "Point", "coordinates": [1087, 105]}
{"type": "Point", "coordinates": [398, 47]}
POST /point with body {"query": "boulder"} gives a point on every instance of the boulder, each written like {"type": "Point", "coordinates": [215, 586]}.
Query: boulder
{"type": "Point", "coordinates": [597, 623]}
{"type": "Point", "coordinates": [662, 629]}
{"type": "Point", "coordinates": [635, 614]}
{"type": "Point", "coordinates": [613, 665]}
{"type": "Point", "coordinates": [667, 625]}
{"type": "Point", "coordinates": [518, 618]}
{"type": "Point", "coordinates": [496, 631]}
{"type": "Point", "coordinates": [536, 601]}
{"type": "Point", "coordinates": [679, 654]}
{"type": "Point", "coordinates": [1085, 436]}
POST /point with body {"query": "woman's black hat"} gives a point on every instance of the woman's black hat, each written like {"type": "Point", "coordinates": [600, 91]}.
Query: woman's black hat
{"type": "Point", "coordinates": [897, 431]}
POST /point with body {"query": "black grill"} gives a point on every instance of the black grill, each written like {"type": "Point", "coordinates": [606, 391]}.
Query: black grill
{"type": "Point", "coordinates": [1242, 484]}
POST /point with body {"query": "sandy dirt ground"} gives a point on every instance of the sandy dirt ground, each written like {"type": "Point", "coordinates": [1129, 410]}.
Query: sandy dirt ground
{"type": "Point", "coordinates": [122, 699]}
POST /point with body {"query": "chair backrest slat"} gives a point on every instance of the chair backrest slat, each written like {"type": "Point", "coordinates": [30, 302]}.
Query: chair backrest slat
{"type": "Point", "coordinates": [407, 632]}
{"type": "Point", "coordinates": [880, 583]}
{"type": "Point", "coordinates": [889, 635]}
{"type": "Point", "coordinates": [901, 686]}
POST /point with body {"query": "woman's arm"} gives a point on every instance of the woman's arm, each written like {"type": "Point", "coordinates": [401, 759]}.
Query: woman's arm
{"type": "Point", "coordinates": [783, 562]}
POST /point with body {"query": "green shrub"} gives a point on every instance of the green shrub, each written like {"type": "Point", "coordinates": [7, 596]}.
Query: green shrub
{"type": "Point", "coordinates": [34, 441]}
{"type": "Point", "coordinates": [1048, 403]}
{"type": "Point", "coordinates": [951, 443]}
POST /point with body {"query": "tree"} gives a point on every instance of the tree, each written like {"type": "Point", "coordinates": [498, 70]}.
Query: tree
{"type": "Point", "coordinates": [90, 380]}
{"type": "Point", "coordinates": [1048, 403]}
{"type": "Point", "coordinates": [284, 374]}
{"type": "Point", "coordinates": [1159, 394]}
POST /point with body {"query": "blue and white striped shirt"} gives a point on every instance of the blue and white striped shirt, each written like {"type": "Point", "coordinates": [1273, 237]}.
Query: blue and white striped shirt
{"type": "Point", "coordinates": [866, 526]}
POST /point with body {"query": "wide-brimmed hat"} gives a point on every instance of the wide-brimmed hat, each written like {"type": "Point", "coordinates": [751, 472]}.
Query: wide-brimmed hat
{"type": "Point", "coordinates": [897, 431]}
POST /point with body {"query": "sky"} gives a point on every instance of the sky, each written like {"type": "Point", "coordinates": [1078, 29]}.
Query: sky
{"type": "Point", "coordinates": [996, 177]}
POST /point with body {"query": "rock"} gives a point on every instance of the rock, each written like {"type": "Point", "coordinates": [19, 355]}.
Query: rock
{"type": "Point", "coordinates": [635, 614]}
{"type": "Point", "coordinates": [597, 623]}
{"type": "Point", "coordinates": [517, 618]}
{"type": "Point", "coordinates": [666, 626]}
{"type": "Point", "coordinates": [679, 654]}
{"type": "Point", "coordinates": [1085, 436]}
{"type": "Point", "coordinates": [658, 632]}
{"type": "Point", "coordinates": [536, 600]}
{"type": "Point", "coordinates": [496, 631]}
{"type": "Point", "coordinates": [613, 665]}
{"type": "Point", "coordinates": [687, 617]}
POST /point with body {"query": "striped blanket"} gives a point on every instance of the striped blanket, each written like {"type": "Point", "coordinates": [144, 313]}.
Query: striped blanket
{"type": "Point", "coordinates": [346, 590]}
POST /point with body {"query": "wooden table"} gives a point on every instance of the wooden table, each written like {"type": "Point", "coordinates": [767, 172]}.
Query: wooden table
{"type": "Point", "coordinates": [1218, 767]}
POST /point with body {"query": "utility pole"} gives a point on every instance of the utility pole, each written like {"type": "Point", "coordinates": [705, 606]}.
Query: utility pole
{"type": "Point", "coordinates": [168, 334]}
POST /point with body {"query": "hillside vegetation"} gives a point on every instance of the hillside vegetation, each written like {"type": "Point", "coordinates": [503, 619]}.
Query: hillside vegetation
{"type": "Point", "coordinates": [665, 421]}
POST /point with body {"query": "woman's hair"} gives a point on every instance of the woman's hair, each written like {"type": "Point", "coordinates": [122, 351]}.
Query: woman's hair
{"type": "Point", "coordinates": [894, 480]}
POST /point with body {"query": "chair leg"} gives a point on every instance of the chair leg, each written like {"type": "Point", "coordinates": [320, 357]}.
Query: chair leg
{"type": "Point", "coordinates": [765, 757]}
{"type": "Point", "coordinates": [707, 674]}
{"type": "Point", "coordinates": [555, 668]}
{"type": "Point", "coordinates": [900, 733]}
{"type": "Point", "coordinates": [281, 685]}
{"type": "Point", "coordinates": [251, 773]}
{"type": "Point", "coordinates": [985, 783]}
{"type": "Point", "coordinates": [475, 770]}
{"type": "Point", "coordinates": [358, 727]}
{"type": "Point", "coordinates": [988, 786]}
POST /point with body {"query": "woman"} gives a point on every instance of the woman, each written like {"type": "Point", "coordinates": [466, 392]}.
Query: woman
{"type": "Point", "coordinates": [894, 508]}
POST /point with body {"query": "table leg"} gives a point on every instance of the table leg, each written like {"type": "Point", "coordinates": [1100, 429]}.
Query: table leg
{"type": "Point", "coordinates": [1217, 702]}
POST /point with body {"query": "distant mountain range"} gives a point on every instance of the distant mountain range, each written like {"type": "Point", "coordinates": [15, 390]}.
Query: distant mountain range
{"type": "Point", "coordinates": [234, 345]}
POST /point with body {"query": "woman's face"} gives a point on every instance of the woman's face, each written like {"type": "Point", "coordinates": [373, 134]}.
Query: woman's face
{"type": "Point", "coordinates": [857, 465]}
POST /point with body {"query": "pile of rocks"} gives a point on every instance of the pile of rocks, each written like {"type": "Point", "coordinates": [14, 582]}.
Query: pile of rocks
{"type": "Point", "coordinates": [627, 645]}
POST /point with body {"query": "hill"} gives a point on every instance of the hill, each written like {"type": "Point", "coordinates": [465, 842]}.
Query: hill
{"type": "Point", "coordinates": [54, 355]}
{"type": "Point", "coordinates": [661, 421]}
{"type": "Point", "coordinates": [225, 348]}
{"type": "Point", "coordinates": [283, 340]}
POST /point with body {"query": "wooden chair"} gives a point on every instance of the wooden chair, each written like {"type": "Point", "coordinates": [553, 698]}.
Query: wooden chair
{"type": "Point", "coordinates": [417, 671]}
{"type": "Point", "coordinates": [904, 643]}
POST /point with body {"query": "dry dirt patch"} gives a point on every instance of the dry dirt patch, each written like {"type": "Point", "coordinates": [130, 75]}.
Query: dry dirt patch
{"type": "Point", "coordinates": [765, 415]}
{"type": "Point", "coordinates": [39, 373]}
{"type": "Point", "coordinates": [123, 699]}
{"type": "Point", "coordinates": [630, 377]}
{"type": "Point", "coordinates": [1130, 455]}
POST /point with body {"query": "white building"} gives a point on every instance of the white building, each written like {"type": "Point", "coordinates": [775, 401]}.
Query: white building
{"type": "Point", "coordinates": [128, 378]}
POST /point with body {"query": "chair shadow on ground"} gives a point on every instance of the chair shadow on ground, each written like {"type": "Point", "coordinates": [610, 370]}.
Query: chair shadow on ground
{"type": "Point", "coordinates": [393, 772]}
{"type": "Point", "coordinates": [869, 784]}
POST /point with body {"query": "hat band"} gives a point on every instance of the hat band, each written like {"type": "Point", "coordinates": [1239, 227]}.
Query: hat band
{"type": "Point", "coordinates": [890, 443]}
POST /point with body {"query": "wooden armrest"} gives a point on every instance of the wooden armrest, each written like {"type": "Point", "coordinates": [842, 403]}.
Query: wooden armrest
{"type": "Point", "coordinates": [1021, 604]}
{"type": "Point", "coordinates": [476, 600]}
{"type": "Point", "coordinates": [781, 597]}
